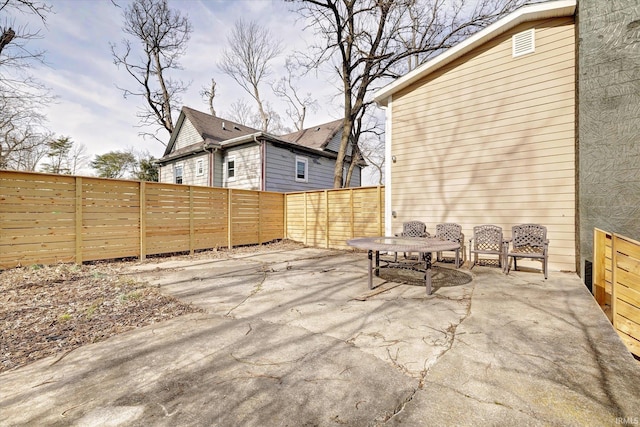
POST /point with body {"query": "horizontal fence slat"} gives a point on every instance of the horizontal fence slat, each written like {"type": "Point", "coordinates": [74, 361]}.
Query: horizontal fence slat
{"type": "Point", "coordinates": [39, 213]}
{"type": "Point", "coordinates": [626, 290]}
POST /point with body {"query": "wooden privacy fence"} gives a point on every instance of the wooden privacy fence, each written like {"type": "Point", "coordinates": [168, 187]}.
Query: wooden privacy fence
{"type": "Point", "coordinates": [328, 218]}
{"type": "Point", "coordinates": [616, 278]}
{"type": "Point", "coordinates": [51, 218]}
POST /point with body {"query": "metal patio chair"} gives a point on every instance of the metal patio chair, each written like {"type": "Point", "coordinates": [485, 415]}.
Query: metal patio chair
{"type": "Point", "coordinates": [487, 240]}
{"type": "Point", "coordinates": [453, 233]}
{"type": "Point", "coordinates": [412, 229]}
{"type": "Point", "coordinates": [527, 241]}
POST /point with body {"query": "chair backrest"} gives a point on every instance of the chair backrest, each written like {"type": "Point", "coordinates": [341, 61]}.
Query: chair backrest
{"type": "Point", "coordinates": [414, 229]}
{"type": "Point", "coordinates": [533, 235]}
{"type": "Point", "coordinates": [449, 231]}
{"type": "Point", "coordinates": [487, 237]}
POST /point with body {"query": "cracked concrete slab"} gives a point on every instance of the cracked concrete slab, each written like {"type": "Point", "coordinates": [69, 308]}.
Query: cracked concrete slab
{"type": "Point", "coordinates": [297, 338]}
{"type": "Point", "coordinates": [219, 371]}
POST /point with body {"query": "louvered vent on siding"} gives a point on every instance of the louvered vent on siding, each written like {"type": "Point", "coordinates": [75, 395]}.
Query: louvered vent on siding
{"type": "Point", "coordinates": [523, 43]}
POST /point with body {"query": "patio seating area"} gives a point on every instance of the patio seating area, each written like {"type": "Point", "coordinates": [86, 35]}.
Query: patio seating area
{"type": "Point", "coordinates": [296, 337]}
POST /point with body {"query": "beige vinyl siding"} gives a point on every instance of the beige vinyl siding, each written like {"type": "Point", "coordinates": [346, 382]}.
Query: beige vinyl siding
{"type": "Point", "coordinates": [248, 167]}
{"type": "Point", "coordinates": [190, 176]}
{"type": "Point", "coordinates": [187, 135]}
{"type": "Point", "coordinates": [166, 173]}
{"type": "Point", "coordinates": [491, 139]}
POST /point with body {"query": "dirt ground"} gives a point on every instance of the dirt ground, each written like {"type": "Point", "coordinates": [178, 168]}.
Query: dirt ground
{"type": "Point", "coordinates": [49, 310]}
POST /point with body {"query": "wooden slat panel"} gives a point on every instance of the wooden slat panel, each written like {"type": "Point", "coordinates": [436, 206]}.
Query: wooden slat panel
{"type": "Point", "coordinates": [111, 217]}
{"type": "Point", "coordinates": [630, 296]}
{"type": "Point", "coordinates": [624, 261]}
{"type": "Point", "coordinates": [632, 344]}
{"type": "Point", "coordinates": [630, 312]}
{"type": "Point", "coordinates": [626, 290]}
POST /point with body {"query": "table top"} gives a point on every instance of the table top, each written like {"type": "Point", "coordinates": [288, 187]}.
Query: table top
{"type": "Point", "coordinates": [403, 244]}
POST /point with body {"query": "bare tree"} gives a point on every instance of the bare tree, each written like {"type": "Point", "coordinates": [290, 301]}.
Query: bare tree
{"type": "Point", "coordinates": [78, 158]}
{"type": "Point", "coordinates": [16, 57]}
{"type": "Point", "coordinates": [241, 112]}
{"type": "Point", "coordinates": [163, 34]}
{"type": "Point", "coordinates": [22, 131]}
{"type": "Point", "coordinates": [372, 149]}
{"type": "Point", "coordinates": [28, 160]}
{"type": "Point", "coordinates": [297, 105]}
{"type": "Point", "coordinates": [22, 136]}
{"type": "Point", "coordinates": [247, 60]}
{"type": "Point", "coordinates": [208, 94]}
{"type": "Point", "coordinates": [14, 37]}
{"type": "Point", "coordinates": [365, 41]}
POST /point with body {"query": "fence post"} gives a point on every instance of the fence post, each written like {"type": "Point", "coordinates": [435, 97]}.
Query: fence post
{"type": "Point", "coordinates": [599, 256]}
{"type": "Point", "coordinates": [143, 220]}
{"type": "Point", "coordinates": [229, 214]}
{"type": "Point", "coordinates": [286, 224]}
{"type": "Point", "coordinates": [192, 237]}
{"type": "Point", "coordinates": [78, 220]}
{"type": "Point", "coordinates": [260, 203]}
{"type": "Point", "coordinates": [352, 213]}
{"type": "Point", "coordinates": [305, 220]}
{"type": "Point", "coordinates": [326, 219]}
{"type": "Point", "coordinates": [380, 210]}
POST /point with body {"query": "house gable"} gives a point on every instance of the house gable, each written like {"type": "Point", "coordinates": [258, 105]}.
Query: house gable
{"type": "Point", "coordinates": [187, 135]}
{"type": "Point", "coordinates": [194, 127]}
{"type": "Point", "coordinates": [547, 10]}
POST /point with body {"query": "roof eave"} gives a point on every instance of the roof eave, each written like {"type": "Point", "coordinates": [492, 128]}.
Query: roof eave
{"type": "Point", "coordinates": [524, 14]}
{"type": "Point", "coordinates": [173, 157]}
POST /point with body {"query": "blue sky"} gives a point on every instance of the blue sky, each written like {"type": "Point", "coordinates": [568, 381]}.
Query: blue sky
{"type": "Point", "coordinates": [80, 71]}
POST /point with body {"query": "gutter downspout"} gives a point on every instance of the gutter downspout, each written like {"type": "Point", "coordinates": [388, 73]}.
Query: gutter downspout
{"type": "Point", "coordinates": [211, 162]}
{"type": "Point", "coordinates": [263, 162]}
{"type": "Point", "coordinates": [388, 194]}
{"type": "Point", "coordinates": [212, 165]}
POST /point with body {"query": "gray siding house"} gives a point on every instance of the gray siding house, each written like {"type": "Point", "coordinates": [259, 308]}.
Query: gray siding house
{"type": "Point", "coordinates": [210, 151]}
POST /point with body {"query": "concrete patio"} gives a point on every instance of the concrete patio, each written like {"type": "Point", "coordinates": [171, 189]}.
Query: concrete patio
{"type": "Point", "coordinates": [296, 338]}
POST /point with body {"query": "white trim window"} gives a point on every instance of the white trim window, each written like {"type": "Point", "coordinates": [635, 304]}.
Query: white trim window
{"type": "Point", "coordinates": [178, 174]}
{"type": "Point", "coordinates": [302, 169]}
{"type": "Point", "coordinates": [231, 168]}
{"type": "Point", "coordinates": [200, 167]}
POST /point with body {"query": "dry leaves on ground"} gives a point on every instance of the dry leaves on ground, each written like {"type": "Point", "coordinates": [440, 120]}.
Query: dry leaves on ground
{"type": "Point", "coordinates": [46, 310]}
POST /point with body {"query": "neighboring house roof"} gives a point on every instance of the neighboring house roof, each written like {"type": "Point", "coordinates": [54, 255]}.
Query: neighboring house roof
{"type": "Point", "coordinates": [315, 137]}
{"type": "Point", "coordinates": [533, 12]}
{"type": "Point", "coordinates": [221, 133]}
{"type": "Point", "coordinates": [212, 129]}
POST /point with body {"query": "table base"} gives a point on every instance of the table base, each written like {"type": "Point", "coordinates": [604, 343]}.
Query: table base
{"type": "Point", "coordinates": [425, 257]}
